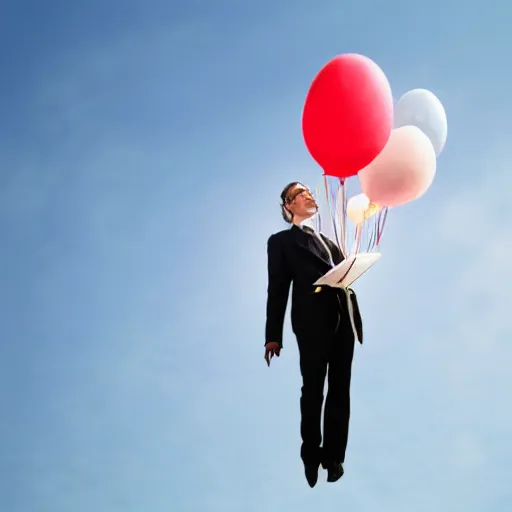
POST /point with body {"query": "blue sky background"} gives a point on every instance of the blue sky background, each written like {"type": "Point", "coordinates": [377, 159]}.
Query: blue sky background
{"type": "Point", "coordinates": [143, 146]}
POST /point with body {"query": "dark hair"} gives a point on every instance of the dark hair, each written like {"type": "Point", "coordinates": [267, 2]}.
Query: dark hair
{"type": "Point", "coordinates": [287, 215]}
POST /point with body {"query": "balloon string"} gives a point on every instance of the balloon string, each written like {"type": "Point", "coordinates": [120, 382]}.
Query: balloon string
{"type": "Point", "coordinates": [335, 208]}
{"type": "Point", "coordinates": [372, 237]}
{"type": "Point", "coordinates": [381, 226]}
{"type": "Point", "coordinates": [334, 213]}
{"type": "Point", "coordinates": [357, 239]}
{"type": "Point", "coordinates": [365, 233]}
{"type": "Point", "coordinates": [377, 227]}
{"type": "Point", "coordinates": [343, 215]}
{"type": "Point", "coordinates": [326, 184]}
{"type": "Point", "coordinates": [339, 209]}
{"type": "Point", "coordinates": [385, 217]}
{"type": "Point", "coordinates": [375, 230]}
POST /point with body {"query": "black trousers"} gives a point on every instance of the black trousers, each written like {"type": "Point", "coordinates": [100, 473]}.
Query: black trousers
{"type": "Point", "coordinates": [330, 355]}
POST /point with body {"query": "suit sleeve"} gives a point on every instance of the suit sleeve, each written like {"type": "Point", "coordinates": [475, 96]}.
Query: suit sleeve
{"type": "Point", "coordinates": [279, 281]}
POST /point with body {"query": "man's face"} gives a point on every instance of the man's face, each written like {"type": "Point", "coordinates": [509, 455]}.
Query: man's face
{"type": "Point", "coordinates": [300, 202]}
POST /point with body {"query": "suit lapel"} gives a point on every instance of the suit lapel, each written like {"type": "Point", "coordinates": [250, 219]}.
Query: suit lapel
{"type": "Point", "coordinates": [336, 253]}
{"type": "Point", "coordinates": [308, 243]}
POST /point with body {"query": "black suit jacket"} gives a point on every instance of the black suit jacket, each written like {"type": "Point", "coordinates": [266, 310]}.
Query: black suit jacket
{"type": "Point", "coordinates": [294, 256]}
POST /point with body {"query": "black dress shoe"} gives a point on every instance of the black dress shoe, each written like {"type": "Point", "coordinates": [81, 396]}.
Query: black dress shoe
{"type": "Point", "coordinates": [311, 471]}
{"type": "Point", "coordinates": [334, 471]}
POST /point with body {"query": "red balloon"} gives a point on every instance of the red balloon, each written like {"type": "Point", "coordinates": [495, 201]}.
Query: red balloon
{"type": "Point", "coordinates": [348, 115]}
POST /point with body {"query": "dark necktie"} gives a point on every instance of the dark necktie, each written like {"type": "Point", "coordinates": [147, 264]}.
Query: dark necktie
{"type": "Point", "coordinates": [318, 244]}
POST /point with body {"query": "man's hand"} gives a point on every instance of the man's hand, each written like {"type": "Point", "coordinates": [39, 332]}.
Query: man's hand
{"type": "Point", "coordinates": [272, 348]}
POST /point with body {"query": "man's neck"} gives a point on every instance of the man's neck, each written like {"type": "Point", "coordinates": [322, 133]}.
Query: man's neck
{"type": "Point", "coordinates": [298, 221]}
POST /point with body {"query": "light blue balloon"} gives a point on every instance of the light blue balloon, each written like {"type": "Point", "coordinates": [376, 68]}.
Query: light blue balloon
{"type": "Point", "coordinates": [422, 108]}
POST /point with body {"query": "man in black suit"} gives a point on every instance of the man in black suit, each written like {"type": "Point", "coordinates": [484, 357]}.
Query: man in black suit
{"type": "Point", "coordinates": [325, 321]}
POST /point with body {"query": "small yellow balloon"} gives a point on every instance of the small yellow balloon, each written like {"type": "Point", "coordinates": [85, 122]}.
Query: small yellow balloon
{"type": "Point", "coordinates": [372, 209]}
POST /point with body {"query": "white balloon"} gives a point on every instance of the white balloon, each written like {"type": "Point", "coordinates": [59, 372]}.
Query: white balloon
{"type": "Point", "coordinates": [357, 207]}
{"type": "Point", "coordinates": [421, 108]}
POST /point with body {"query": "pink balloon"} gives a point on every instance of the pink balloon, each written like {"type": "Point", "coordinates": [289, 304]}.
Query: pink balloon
{"type": "Point", "coordinates": [403, 171]}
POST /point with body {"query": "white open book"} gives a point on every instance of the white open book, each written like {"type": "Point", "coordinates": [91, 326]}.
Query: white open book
{"type": "Point", "coordinates": [350, 269]}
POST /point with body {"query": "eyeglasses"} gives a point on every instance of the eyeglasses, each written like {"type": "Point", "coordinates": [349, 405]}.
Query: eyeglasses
{"type": "Point", "coordinates": [296, 194]}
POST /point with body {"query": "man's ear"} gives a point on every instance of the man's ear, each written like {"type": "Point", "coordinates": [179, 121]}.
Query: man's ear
{"type": "Point", "coordinates": [287, 214]}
